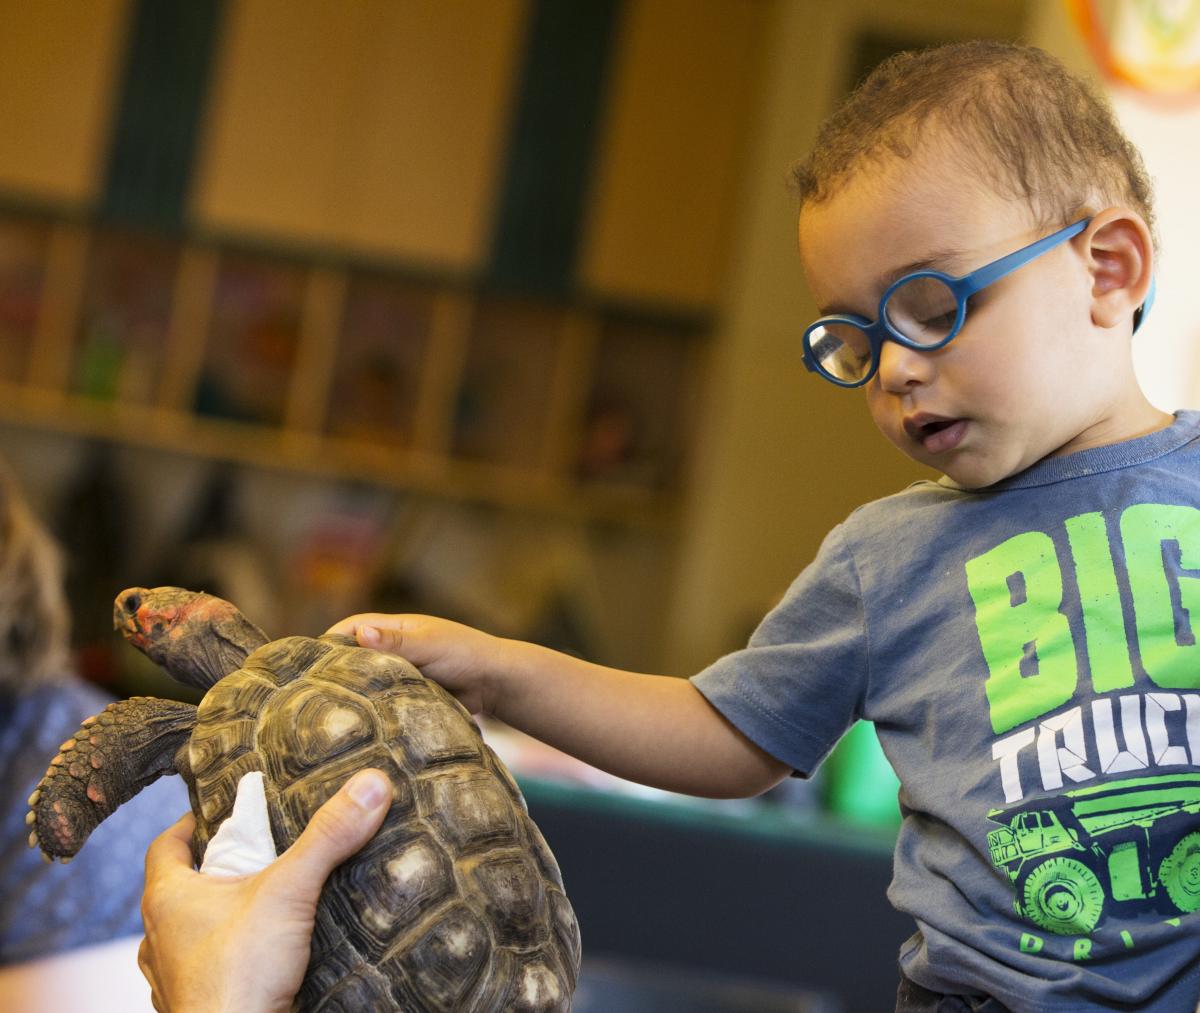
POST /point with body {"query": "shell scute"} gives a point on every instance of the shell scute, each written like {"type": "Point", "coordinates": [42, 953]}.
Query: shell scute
{"type": "Point", "coordinates": [345, 984]}
{"type": "Point", "coordinates": [541, 853]}
{"type": "Point", "coordinates": [365, 671]}
{"type": "Point", "coordinates": [492, 761]}
{"type": "Point", "coordinates": [216, 789]}
{"type": "Point", "coordinates": [444, 963]}
{"type": "Point", "coordinates": [309, 726]}
{"type": "Point", "coordinates": [288, 658]}
{"type": "Point", "coordinates": [241, 695]}
{"type": "Point", "coordinates": [329, 935]}
{"type": "Point", "coordinates": [428, 733]}
{"type": "Point", "coordinates": [566, 927]}
{"type": "Point", "coordinates": [299, 800]}
{"type": "Point", "coordinates": [395, 885]}
{"type": "Point", "coordinates": [514, 898]}
{"type": "Point", "coordinates": [469, 810]}
{"type": "Point", "coordinates": [214, 745]}
{"type": "Point", "coordinates": [537, 989]}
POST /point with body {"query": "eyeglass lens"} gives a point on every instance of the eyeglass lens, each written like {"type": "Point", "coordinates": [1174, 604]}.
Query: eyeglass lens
{"type": "Point", "coordinates": [923, 309]}
{"type": "Point", "coordinates": [841, 350]}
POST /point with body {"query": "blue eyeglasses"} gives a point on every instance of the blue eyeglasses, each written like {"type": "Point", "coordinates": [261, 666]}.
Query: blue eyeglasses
{"type": "Point", "coordinates": [923, 310]}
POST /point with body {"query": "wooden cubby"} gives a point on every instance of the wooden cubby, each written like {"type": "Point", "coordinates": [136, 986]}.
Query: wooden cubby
{"type": "Point", "coordinates": [24, 249]}
{"type": "Point", "coordinates": [323, 365]}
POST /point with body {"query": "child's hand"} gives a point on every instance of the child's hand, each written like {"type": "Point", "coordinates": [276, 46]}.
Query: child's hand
{"type": "Point", "coordinates": [458, 657]}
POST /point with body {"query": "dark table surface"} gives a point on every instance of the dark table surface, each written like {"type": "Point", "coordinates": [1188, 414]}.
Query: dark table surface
{"type": "Point", "coordinates": [707, 903]}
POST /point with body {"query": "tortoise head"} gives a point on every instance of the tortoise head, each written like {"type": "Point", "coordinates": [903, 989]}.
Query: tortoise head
{"type": "Point", "coordinates": [197, 637]}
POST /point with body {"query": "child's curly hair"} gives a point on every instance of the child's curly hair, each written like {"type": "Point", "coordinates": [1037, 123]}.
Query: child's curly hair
{"type": "Point", "coordinates": [34, 620]}
{"type": "Point", "coordinates": [1031, 128]}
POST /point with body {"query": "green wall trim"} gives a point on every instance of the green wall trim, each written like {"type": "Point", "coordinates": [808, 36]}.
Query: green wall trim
{"type": "Point", "coordinates": [559, 110]}
{"type": "Point", "coordinates": [170, 51]}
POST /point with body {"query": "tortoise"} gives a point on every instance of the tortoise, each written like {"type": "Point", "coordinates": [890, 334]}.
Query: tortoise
{"type": "Point", "coordinates": [457, 904]}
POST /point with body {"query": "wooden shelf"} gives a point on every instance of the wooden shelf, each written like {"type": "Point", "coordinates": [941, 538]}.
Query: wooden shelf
{"type": "Point", "coordinates": [321, 367]}
{"type": "Point", "coordinates": [329, 457]}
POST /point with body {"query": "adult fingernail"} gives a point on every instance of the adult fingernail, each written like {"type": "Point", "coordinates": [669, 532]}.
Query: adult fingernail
{"type": "Point", "coordinates": [369, 635]}
{"type": "Point", "coordinates": [367, 788]}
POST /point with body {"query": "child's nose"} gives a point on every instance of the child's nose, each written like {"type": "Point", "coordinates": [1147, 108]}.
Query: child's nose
{"type": "Point", "coordinates": [901, 368]}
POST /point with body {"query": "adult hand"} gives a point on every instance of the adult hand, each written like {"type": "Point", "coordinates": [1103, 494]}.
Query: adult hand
{"type": "Point", "coordinates": [464, 660]}
{"type": "Point", "coordinates": [242, 943]}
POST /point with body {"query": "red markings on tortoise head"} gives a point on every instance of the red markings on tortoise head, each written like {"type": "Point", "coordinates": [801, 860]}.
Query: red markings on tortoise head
{"type": "Point", "coordinates": [172, 619]}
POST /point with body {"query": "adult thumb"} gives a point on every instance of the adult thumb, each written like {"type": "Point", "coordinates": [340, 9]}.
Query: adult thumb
{"type": "Point", "coordinates": [339, 828]}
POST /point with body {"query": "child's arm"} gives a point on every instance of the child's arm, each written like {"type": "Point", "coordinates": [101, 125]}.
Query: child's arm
{"type": "Point", "coordinates": [652, 729]}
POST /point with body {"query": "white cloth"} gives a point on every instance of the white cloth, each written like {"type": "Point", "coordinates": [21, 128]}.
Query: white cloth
{"type": "Point", "coordinates": [242, 844]}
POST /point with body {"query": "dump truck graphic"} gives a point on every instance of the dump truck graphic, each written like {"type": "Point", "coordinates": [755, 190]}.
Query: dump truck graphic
{"type": "Point", "coordinates": [1135, 840]}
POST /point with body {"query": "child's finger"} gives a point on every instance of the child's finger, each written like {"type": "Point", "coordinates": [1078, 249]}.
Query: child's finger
{"type": "Point", "coordinates": [388, 633]}
{"type": "Point", "coordinates": [347, 627]}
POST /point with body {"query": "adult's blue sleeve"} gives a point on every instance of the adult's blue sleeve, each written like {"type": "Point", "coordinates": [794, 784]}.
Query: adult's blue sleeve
{"type": "Point", "coordinates": [47, 909]}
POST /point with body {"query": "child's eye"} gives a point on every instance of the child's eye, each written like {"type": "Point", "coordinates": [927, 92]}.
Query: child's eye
{"type": "Point", "coordinates": [940, 323]}
{"type": "Point", "coordinates": [924, 309]}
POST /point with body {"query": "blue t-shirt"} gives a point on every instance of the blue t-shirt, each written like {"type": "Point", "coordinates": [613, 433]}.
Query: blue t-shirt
{"type": "Point", "coordinates": [45, 909]}
{"type": "Point", "coordinates": [1029, 656]}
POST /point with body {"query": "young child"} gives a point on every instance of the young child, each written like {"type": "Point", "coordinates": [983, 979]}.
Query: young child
{"type": "Point", "coordinates": [979, 237]}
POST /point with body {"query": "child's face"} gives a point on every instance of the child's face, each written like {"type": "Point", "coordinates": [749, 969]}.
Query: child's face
{"type": "Point", "coordinates": [1028, 376]}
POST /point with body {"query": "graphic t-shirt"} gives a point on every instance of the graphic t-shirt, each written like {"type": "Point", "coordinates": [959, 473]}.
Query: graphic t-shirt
{"type": "Point", "coordinates": [1029, 655]}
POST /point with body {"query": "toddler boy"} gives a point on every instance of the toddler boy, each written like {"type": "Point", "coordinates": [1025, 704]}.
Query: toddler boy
{"type": "Point", "coordinates": [978, 235]}
{"type": "Point", "coordinates": [1020, 631]}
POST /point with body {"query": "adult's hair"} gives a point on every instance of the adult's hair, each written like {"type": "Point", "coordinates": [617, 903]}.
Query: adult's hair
{"type": "Point", "coordinates": [34, 621]}
{"type": "Point", "coordinates": [1030, 128]}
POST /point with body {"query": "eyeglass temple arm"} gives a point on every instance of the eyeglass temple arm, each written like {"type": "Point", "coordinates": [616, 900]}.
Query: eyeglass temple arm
{"type": "Point", "coordinates": [1140, 314]}
{"type": "Point", "coordinates": [972, 283]}
{"type": "Point", "coordinates": [1006, 265]}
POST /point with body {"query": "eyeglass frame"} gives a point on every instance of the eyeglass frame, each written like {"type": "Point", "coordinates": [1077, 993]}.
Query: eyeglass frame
{"type": "Point", "coordinates": [962, 288]}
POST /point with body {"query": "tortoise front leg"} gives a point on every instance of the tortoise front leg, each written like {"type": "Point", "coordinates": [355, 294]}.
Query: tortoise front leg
{"type": "Point", "coordinates": [113, 756]}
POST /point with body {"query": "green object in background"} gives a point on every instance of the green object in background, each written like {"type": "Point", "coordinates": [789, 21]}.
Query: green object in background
{"type": "Point", "coordinates": [860, 783]}
{"type": "Point", "coordinates": [100, 361]}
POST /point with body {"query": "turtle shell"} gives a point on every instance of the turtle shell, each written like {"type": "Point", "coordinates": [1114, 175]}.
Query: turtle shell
{"type": "Point", "coordinates": [457, 903]}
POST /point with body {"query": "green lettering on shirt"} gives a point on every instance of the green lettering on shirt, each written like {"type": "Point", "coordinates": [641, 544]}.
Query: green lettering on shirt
{"type": "Point", "coordinates": [1103, 621]}
{"type": "Point", "coordinates": [1017, 589]}
{"type": "Point", "coordinates": [1153, 533]}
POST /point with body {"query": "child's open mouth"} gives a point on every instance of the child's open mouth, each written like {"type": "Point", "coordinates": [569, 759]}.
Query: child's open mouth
{"type": "Point", "coordinates": [934, 433]}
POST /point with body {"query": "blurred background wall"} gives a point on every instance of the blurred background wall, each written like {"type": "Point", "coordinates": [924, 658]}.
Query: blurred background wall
{"type": "Point", "coordinates": [487, 308]}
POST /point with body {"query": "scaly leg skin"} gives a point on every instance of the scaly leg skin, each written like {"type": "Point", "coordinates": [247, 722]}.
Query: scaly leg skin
{"type": "Point", "coordinates": [113, 756]}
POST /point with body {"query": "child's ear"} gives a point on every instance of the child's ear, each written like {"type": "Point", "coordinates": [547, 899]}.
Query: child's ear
{"type": "Point", "coordinates": [1120, 257]}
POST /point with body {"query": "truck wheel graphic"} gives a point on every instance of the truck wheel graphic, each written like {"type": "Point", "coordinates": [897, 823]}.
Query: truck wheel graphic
{"type": "Point", "coordinates": [1064, 896]}
{"type": "Point", "coordinates": [1180, 873]}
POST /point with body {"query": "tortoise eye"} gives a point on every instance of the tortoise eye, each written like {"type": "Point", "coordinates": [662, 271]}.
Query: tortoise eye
{"type": "Point", "coordinates": [133, 603]}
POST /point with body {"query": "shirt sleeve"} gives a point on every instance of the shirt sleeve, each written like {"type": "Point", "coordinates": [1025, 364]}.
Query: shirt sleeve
{"type": "Point", "coordinates": [800, 683]}
{"type": "Point", "coordinates": [47, 909]}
